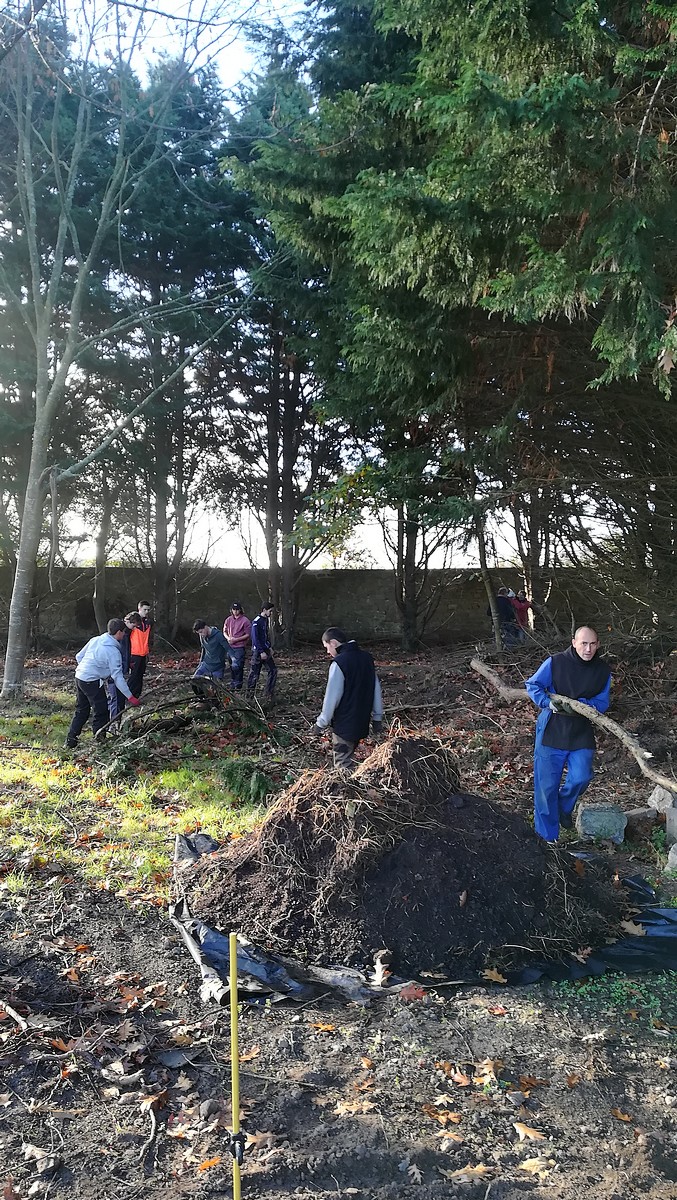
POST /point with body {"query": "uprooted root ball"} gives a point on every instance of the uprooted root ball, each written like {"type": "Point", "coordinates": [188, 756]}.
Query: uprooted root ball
{"type": "Point", "coordinates": [392, 856]}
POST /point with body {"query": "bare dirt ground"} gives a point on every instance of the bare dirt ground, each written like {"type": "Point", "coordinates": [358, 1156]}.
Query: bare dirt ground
{"type": "Point", "coordinates": [114, 1079]}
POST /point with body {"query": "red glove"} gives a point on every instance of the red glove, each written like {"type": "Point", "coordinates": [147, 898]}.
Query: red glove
{"type": "Point", "coordinates": [134, 701]}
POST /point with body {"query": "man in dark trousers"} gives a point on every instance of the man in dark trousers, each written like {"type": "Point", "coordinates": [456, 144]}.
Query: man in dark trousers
{"type": "Point", "coordinates": [565, 739]}
{"type": "Point", "coordinates": [98, 661]}
{"type": "Point", "coordinates": [140, 642]}
{"type": "Point", "coordinates": [262, 652]}
{"type": "Point", "coordinates": [352, 698]}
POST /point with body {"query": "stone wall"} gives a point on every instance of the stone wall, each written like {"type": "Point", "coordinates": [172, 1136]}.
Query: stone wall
{"type": "Point", "coordinates": [361, 601]}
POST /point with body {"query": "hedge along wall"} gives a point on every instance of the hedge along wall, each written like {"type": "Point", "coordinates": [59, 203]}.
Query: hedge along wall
{"type": "Point", "coordinates": [363, 602]}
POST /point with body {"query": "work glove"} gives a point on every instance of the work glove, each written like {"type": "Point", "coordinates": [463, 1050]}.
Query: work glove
{"type": "Point", "coordinates": [317, 731]}
{"type": "Point", "coordinates": [134, 701]}
{"type": "Point", "coordinates": [377, 727]}
{"type": "Point", "coordinates": [559, 706]}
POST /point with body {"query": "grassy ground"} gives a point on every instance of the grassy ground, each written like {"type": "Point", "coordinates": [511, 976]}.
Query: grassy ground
{"type": "Point", "coordinates": [86, 812]}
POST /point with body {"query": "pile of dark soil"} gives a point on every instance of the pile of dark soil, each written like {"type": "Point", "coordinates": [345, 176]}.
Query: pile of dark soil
{"type": "Point", "coordinates": [394, 857]}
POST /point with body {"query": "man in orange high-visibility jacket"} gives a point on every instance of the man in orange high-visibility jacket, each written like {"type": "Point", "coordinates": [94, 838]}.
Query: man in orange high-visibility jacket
{"type": "Point", "coordinates": [140, 642]}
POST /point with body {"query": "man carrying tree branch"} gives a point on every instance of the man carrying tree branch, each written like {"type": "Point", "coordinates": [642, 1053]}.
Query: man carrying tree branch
{"type": "Point", "coordinates": [564, 739]}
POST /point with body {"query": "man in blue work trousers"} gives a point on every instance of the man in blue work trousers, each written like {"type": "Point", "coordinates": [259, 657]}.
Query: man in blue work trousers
{"type": "Point", "coordinates": [564, 739]}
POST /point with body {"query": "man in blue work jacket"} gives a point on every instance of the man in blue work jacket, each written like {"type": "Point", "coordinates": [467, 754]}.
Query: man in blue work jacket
{"type": "Point", "coordinates": [565, 739]}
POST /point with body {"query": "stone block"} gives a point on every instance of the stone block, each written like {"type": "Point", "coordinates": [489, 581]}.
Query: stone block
{"type": "Point", "coordinates": [671, 864]}
{"type": "Point", "coordinates": [601, 822]}
{"type": "Point", "coordinates": [661, 799]}
{"type": "Point", "coordinates": [671, 826]}
{"type": "Point", "coordinates": [641, 821]}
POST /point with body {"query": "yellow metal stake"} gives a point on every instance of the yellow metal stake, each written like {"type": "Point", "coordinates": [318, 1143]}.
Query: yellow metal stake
{"type": "Point", "coordinates": [234, 1065]}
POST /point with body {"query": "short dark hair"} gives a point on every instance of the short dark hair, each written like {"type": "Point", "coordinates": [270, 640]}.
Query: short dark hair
{"type": "Point", "coordinates": [145, 602]}
{"type": "Point", "coordinates": [334, 635]}
{"type": "Point", "coordinates": [267, 606]}
{"type": "Point", "coordinates": [133, 618]}
{"type": "Point", "coordinates": [115, 625]}
{"type": "Point", "coordinates": [199, 625]}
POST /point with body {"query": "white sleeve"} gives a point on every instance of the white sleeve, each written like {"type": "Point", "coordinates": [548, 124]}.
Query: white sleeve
{"type": "Point", "coordinates": [332, 696]}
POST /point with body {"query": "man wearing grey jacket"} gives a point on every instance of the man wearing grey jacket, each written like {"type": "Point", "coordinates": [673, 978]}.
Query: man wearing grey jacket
{"type": "Point", "coordinates": [98, 661]}
{"type": "Point", "coordinates": [352, 699]}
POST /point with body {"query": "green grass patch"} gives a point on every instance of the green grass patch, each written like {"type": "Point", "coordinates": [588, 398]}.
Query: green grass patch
{"type": "Point", "coordinates": [70, 811]}
{"type": "Point", "coordinates": [650, 1000]}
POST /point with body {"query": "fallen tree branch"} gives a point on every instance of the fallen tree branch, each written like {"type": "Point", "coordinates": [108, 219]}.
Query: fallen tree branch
{"type": "Point", "coordinates": [585, 710]}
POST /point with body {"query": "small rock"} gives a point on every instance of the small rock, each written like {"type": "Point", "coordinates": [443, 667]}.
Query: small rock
{"type": "Point", "coordinates": [671, 826]}
{"type": "Point", "coordinates": [671, 864]}
{"type": "Point", "coordinates": [208, 1108]}
{"type": "Point", "coordinates": [641, 821]}
{"type": "Point", "coordinates": [601, 822]}
{"type": "Point", "coordinates": [661, 799]}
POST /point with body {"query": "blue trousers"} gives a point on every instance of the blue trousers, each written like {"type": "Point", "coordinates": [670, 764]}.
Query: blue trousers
{"type": "Point", "coordinates": [553, 797]}
{"type": "Point", "coordinates": [210, 672]}
{"type": "Point", "coordinates": [236, 655]}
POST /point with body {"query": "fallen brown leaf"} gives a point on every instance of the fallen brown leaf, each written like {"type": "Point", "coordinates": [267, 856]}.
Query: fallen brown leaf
{"type": "Point", "coordinates": [526, 1133]}
{"type": "Point", "coordinates": [633, 929]}
{"type": "Point", "coordinates": [620, 1116]}
{"type": "Point", "coordinates": [250, 1054]}
{"type": "Point", "coordinates": [497, 1010]}
{"type": "Point", "coordinates": [449, 1138]}
{"type": "Point", "coordinates": [367, 1063]}
{"type": "Point", "coordinates": [412, 991]}
{"type": "Point", "coordinates": [443, 1115]}
{"type": "Point", "coordinates": [573, 1081]}
{"type": "Point", "coordinates": [494, 975]}
{"type": "Point", "coordinates": [261, 1141]}
{"type": "Point", "coordinates": [467, 1174]}
{"type": "Point", "coordinates": [209, 1162]}
{"type": "Point", "coordinates": [535, 1166]}
{"type": "Point", "coordinates": [530, 1081]}
{"type": "Point", "coordinates": [348, 1108]}
{"type": "Point", "coordinates": [488, 1071]}
{"type": "Point", "coordinates": [322, 1027]}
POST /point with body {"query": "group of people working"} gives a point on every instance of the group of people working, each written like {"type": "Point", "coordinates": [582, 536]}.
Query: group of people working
{"type": "Point", "coordinates": [111, 668]}
{"type": "Point", "coordinates": [219, 647]}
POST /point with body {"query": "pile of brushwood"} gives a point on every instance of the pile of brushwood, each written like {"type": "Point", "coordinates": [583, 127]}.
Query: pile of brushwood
{"type": "Point", "coordinates": [144, 736]}
{"type": "Point", "coordinates": [393, 856]}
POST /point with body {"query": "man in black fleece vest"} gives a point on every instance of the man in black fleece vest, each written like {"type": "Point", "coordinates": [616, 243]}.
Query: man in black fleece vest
{"type": "Point", "coordinates": [352, 698]}
{"type": "Point", "coordinates": [565, 739]}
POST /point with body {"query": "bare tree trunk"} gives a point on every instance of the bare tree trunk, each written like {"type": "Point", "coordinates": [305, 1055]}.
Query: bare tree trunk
{"type": "Point", "coordinates": [272, 529]}
{"type": "Point", "coordinates": [408, 585]}
{"type": "Point", "coordinates": [480, 534]}
{"type": "Point", "coordinates": [24, 575]}
{"type": "Point", "coordinates": [108, 502]}
{"type": "Point", "coordinates": [289, 567]}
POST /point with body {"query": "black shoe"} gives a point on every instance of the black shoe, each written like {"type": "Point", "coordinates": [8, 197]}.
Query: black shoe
{"type": "Point", "coordinates": [69, 744]}
{"type": "Point", "coordinates": [566, 820]}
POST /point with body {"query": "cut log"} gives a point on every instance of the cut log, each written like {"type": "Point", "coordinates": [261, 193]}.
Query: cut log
{"type": "Point", "coordinates": [602, 722]}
